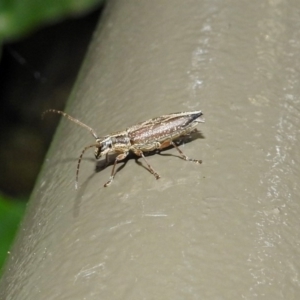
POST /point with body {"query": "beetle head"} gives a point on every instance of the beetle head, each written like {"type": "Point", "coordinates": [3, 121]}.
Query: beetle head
{"type": "Point", "coordinates": [105, 146]}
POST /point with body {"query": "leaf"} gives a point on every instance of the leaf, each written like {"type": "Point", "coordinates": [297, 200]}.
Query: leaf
{"type": "Point", "coordinates": [11, 213]}
{"type": "Point", "coordinates": [18, 17]}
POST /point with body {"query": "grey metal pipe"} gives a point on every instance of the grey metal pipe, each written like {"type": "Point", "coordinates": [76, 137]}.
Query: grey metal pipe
{"type": "Point", "coordinates": [226, 229]}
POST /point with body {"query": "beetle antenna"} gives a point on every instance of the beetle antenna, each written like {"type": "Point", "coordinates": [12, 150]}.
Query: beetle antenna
{"type": "Point", "coordinates": [91, 130]}
{"type": "Point", "coordinates": [79, 161]}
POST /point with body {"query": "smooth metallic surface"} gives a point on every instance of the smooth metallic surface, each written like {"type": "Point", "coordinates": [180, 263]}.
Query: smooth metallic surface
{"type": "Point", "coordinates": [228, 229]}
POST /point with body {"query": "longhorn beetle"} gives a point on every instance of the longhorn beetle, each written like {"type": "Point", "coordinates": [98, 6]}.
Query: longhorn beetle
{"type": "Point", "coordinates": [154, 134]}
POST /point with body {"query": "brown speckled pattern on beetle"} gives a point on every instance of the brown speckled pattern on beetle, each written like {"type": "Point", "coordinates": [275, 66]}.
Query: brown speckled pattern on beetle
{"type": "Point", "coordinates": [154, 134]}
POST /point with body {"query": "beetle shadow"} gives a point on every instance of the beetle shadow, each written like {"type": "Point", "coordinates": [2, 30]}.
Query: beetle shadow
{"type": "Point", "coordinates": [83, 183]}
{"type": "Point", "coordinates": [195, 135]}
{"type": "Point", "coordinates": [82, 187]}
{"type": "Point", "coordinates": [102, 164]}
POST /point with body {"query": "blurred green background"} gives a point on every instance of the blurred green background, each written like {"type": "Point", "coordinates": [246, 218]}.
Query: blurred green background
{"type": "Point", "coordinates": [43, 44]}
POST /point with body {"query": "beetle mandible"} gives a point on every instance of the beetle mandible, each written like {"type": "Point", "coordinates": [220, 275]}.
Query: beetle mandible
{"type": "Point", "coordinates": [154, 134]}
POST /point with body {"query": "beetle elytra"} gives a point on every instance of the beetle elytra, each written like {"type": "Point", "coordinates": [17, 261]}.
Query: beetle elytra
{"type": "Point", "coordinates": [154, 134]}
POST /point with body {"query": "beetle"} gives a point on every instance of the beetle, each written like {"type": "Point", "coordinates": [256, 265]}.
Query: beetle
{"type": "Point", "coordinates": [154, 134]}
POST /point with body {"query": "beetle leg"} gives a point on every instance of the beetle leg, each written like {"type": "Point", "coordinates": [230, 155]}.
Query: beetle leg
{"type": "Point", "coordinates": [106, 160]}
{"type": "Point", "coordinates": [113, 173]}
{"type": "Point", "coordinates": [184, 156]}
{"type": "Point", "coordinates": [140, 153]}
